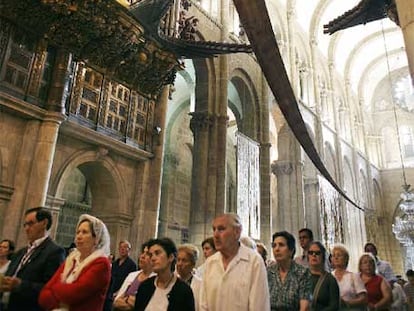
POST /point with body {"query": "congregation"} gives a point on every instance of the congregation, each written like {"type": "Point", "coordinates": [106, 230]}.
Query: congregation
{"type": "Point", "coordinates": [237, 273]}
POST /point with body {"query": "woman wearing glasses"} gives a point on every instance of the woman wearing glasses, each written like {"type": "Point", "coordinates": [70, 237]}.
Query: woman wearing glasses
{"type": "Point", "coordinates": [351, 288]}
{"type": "Point", "coordinates": [325, 289]}
{"type": "Point", "coordinates": [289, 282]}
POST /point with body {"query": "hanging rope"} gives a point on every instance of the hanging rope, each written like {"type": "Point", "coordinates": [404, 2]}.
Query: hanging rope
{"type": "Point", "coordinates": [405, 186]}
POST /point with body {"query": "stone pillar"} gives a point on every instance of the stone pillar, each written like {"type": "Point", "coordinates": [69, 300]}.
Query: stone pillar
{"type": "Point", "coordinates": [405, 10]}
{"type": "Point", "coordinates": [220, 156]}
{"type": "Point", "coordinates": [290, 215]}
{"type": "Point", "coordinates": [265, 197]}
{"type": "Point", "coordinates": [33, 171]}
{"type": "Point", "coordinates": [219, 129]}
{"type": "Point", "coordinates": [201, 212]}
{"type": "Point", "coordinates": [145, 224]}
{"type": "Point", "coordinates": [42, 160]}
{"type": "Point", "coordinates": [34, 163]}
{"type": "Point", "coordinates": [291, 21]}
{"type": "Point", "coordinates": [265, 205]}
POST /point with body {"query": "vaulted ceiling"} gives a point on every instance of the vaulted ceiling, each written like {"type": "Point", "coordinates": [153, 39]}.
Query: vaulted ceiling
{"type": "Point", "coordinates": [361, 54]}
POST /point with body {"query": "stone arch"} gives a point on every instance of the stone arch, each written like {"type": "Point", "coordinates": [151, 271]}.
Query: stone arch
{"type": "Point", "coordinates": [107, 187]}
{"type": "Point", "coordinates": [289, 148]}
{"type": "Point", "coordinates": [93, 164]}
{"type": "Point", "coordinates": [204, 84]}
{"type": "Point", "coordinates": [316, 18]}
{"type": "Point", "coordinates": [247, 114]}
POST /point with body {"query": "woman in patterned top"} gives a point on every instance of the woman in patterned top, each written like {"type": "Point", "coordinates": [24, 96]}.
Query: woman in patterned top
{"type": "Point", "coordinates": [289, 282]}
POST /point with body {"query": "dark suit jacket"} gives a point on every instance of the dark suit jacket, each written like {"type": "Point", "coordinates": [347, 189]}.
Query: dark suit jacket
{"type": "Point", "coordinates": [40, 267]}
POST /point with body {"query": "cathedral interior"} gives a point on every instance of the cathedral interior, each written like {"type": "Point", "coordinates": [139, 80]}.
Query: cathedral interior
{"type": "Point", "coordinates": [157, 115]}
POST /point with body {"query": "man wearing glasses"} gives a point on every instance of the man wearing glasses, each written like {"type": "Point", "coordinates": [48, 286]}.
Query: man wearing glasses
{"type": "Point", "coordinates": [33, 265]}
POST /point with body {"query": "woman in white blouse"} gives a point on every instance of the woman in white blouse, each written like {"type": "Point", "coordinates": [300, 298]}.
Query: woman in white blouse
{"type": "Point", "coordinates": [351, 288]}
{"type": "Point", "coordinates": [125, 300]}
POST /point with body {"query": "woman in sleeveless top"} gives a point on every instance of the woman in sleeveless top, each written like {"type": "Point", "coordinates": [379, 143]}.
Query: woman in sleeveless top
{"type": "Point", "coordinates": [378, 289]}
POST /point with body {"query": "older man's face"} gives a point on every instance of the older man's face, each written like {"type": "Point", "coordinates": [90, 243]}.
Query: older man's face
{"type": "Point", "coordinates": [225, 234]}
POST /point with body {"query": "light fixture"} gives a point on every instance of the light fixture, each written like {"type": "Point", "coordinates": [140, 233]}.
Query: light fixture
{"type": "Point", "coordinates": [157, 130]}
{"type": "Point", "coordinates": [403, 227]}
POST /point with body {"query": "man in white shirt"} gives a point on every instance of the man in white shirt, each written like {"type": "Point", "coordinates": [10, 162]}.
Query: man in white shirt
{"type": "Point", "coordinates": [235, 277]}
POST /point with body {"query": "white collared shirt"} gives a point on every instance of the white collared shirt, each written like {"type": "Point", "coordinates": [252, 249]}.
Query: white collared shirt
{"type": "Point", "coordinates": [241, 287]}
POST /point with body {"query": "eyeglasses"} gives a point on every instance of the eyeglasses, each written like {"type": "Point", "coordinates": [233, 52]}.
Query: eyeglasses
{"type": "Point", "coordinates": [314, 253]}
{"type": "Point", "coordinates": [29, 223]}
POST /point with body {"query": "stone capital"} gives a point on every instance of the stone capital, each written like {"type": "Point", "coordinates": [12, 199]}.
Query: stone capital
{"type": "Point", "coordinates": [282, 168]}
{"type": "Point", "coordinates": [200, 121]}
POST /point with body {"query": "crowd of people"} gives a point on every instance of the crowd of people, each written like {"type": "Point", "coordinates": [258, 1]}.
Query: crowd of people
{"type": "Point", "coordinates": [237, 273]}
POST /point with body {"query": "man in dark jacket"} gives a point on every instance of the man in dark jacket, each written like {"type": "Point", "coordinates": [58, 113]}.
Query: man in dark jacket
{"type": "Point", "coordinates": [33, 265]}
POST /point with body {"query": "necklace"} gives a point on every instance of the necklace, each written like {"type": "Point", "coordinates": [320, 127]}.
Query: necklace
{"type": "Point", "coordinates": [167, 284]}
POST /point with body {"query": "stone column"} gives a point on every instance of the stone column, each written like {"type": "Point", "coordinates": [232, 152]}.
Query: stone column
{"type": "Point", "coordinates": [42, 160]}
{"type": "Point", "coordinates": [220, 156]}
{"type": "Point", "coordinates": [405, 10]}
{"type": "Point", "coordinates": [48, 132]}
{"type": "Point", "coordinates": [145, 224]}
{"type": "Point", "coordinates": [291, 21]}
{"type": "Point", "coordinates": [36, 158]}
{"type": "Point", "coordinates": [34, 163]}
{"type": "Point", "coordinates": [265, 198]}
{"type": "Point", "coordinates": [265, 205]}
{"type": "Point", "coordinates": [218, 177]}
{"type": "Point", "coordinates": [201, 212]}
{"type": "Point", "coordinates": [290, 215]}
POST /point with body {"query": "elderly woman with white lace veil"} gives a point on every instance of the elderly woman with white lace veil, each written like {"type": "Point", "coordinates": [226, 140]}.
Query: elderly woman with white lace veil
{"type": "Point", "coordinates": [82, 280]}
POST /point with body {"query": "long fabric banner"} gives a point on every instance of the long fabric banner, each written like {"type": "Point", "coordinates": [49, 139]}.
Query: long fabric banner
{"type": "Point", "coordinates": [256, 22]}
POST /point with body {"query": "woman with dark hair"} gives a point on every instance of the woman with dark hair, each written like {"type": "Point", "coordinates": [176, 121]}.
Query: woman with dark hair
{"type": "Point", "coordinates": [289, 282]}
{"type": "Point", "coordinates": [125, 299]}
{"type": "Point", "coordinates": [325, 289]}
{"type": "Point", "coordinates": [208, 247]}
{"type": "Point", "coordinates": [82, 280]}
{"type": "Point", "coordinates": [164, 291]}
{"type": "Point", "coordinates": [6, 251]}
